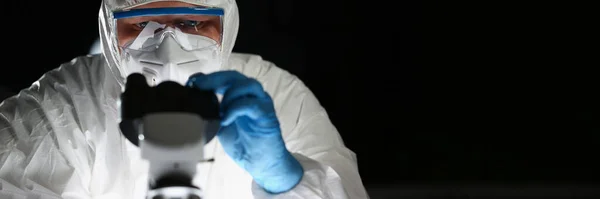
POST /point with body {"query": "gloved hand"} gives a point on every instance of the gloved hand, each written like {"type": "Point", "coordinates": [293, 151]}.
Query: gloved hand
{"type": "Point", "coordinates": [250, 132]}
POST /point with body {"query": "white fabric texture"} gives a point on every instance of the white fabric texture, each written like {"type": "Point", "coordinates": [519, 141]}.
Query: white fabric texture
{"type": "Point", "coordinates": [60, 137]}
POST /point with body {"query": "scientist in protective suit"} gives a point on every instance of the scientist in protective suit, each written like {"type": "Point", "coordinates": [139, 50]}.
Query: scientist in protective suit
{"type": "Point", "coordinates": [60, 138]}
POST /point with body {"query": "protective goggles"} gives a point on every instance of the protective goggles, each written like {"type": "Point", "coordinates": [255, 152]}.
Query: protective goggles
{"type": "Point", "coordinates": [192, 27]}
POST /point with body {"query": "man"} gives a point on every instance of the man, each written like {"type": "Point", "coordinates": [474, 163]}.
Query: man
{"type": "Point", "coordinates": [60, 137]}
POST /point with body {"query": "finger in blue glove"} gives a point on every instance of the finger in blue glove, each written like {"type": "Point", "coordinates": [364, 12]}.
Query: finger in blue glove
{"type": "Point", "coordinates": [250, 132]}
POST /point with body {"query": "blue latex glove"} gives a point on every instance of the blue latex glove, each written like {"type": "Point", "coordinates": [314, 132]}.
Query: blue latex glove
{"type": "Point", "coordinates": [250, 132]}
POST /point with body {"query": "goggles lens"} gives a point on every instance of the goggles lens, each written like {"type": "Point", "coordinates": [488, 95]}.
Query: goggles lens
{"type": "Point", "coordinates": [192, 28]}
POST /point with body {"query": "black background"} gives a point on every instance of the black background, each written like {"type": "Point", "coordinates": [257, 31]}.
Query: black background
{"type": "Point", "coordinates": [451, 93]}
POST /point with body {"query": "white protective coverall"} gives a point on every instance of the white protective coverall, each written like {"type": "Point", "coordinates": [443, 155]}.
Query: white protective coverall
{"type": "Point", "coordinates": [60, 137]}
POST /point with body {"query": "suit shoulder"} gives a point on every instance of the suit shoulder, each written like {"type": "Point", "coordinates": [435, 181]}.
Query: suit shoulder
{"type": "Point", "coordinates": [255, 66]}
{"type": "Point", "coordinates": [88, 62]}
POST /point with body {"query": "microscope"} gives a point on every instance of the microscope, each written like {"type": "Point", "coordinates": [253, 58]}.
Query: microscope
{"type": "Point", "coordinates": [170, 123]}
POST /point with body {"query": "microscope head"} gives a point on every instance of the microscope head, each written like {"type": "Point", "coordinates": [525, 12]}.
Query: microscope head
{"type": "Point", "coordinates": [170, 123]}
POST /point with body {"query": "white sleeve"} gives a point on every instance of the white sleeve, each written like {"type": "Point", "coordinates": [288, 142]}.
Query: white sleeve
{"type": "Point", "coordinates": [31, 165]}
{"type": "Point", "coordinates": [43, 151]}
{"type": "Point", "coordinates": [330, 168]}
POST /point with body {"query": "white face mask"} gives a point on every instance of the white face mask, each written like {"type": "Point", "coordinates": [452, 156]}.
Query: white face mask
{"type": "Point", "coordinates": [167, 60]}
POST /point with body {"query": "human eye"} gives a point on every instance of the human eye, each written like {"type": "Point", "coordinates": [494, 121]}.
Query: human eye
{"type": "Point", "coordinates": [191, 24]}
{"type": "Point", "coordinates": [141, 25]}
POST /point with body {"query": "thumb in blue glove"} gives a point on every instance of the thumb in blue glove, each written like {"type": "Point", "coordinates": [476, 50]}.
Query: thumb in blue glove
{"type": "Point", "coordinates": [250, 132]}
